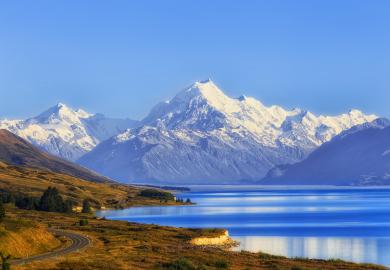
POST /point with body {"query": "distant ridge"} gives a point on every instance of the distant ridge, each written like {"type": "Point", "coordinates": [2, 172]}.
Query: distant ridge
{"type": "Point", "coordinates": [16, 151]}
{"type": "Point", "coordinates": [65, 132]}
{"type": "Point", "coordinates": [358, 156]}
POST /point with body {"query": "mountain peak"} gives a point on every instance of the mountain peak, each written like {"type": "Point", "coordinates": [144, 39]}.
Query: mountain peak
{"type": "Point", "coordinates": [63, 112]}
{"type": "Point", "coordinates": [205, 89]}
{"type": "Point", "coordinates": [355, 112]}
{"type": "Point", "coordinates": [61, 105]}
{"type": "Point", "coordinates": [208, 80]}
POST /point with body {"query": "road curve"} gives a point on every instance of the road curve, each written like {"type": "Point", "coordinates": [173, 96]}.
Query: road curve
{"type": "Point", "coordinates": [78, 242]}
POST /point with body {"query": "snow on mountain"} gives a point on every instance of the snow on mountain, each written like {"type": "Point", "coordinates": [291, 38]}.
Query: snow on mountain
{"type": "Point", "coordinates": [204, 136]}
{"type": "Point", "coordinates": [65, 132]}
{"type": "Point", "coordinates": [358, 156]}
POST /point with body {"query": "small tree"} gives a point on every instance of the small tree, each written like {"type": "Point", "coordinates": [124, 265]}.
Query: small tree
{"type": "Point", "coordinates": [83, 222]}
{"type": "Point", "coordinates": [86, 206]}
{"type": "Point", "coordinates": [68, 206]}
{"type": "Point", "coordinates": [7, 197]}
{"type": "Point", "coordinates": [5, 265]}
{"type": "Point", "coordinates": [2, 210]}
{"type": "Point", "coordinates": [28, 203]}
{"type": "Point", "coordinates": [51, 201]}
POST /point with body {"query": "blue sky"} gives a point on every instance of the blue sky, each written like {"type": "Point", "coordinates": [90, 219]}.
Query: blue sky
{"type": "Point", "coordinates": [122, 57]}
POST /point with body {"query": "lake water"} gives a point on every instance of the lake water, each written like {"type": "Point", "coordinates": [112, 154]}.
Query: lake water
{"type": "Point", "coordinates": [348, 224]}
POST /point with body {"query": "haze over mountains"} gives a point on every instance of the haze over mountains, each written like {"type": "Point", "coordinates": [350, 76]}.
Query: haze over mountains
{"type": "Point", "coordinates": [204, 136]}
{"type": "Point", "coordinates": [200, 136]}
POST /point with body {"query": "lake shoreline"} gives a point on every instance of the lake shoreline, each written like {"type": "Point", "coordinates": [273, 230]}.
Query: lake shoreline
{"type": "Point", "coordinates": [329, 234]}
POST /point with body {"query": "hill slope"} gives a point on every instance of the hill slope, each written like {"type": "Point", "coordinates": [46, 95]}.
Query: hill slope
{"type": "Point", "coordinates": [204, 136]}
{"type": "Point", "coordinates": [359, 156]}
{"type": "Point", "coordinates": [16, 151]}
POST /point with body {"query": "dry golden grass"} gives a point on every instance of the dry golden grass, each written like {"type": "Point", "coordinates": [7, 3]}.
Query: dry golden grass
{"type": "Point", "coordinates": [118, 244]}
{"type": "Point", "coordinates": [122, 245]}
{"type": "Point", "coordinates": [23, 238]}
{"type": "Point", "coordinates": [34, 181]}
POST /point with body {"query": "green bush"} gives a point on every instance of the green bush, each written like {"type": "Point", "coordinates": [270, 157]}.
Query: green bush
{"type": "Point", "coordinates": [6, 196]}
{"type": "Point", "coordinates": [180, 264]}
{"type": "Point", "coordinates": [86, 207]}
{"type": "Point", "coordinates": [27, 203]}
{"type": "Point", "coordinates": [157, 194]}
{"type": "Point", "coordinates": [83, 222]}
{"type": "Point", "coordinates": [221, 264]}
{"type": "Point", "coordinates": [5, 265]}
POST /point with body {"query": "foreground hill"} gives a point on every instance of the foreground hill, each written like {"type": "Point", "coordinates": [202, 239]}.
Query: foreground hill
{"type": "Point", "coordinates": [204, 136]}
{"type": "Point", "coordinates": [120, 245]}
{"type": "Point", "coordinates": [33, 182]}
{"type": "Point", "coordinates": [65, 132]}
{"type": "Point", "coordinates": [359, 156]}
{"type": "Point", "coordinates": [16, 151]}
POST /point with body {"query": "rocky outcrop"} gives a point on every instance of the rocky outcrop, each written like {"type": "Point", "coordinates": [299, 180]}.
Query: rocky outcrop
{"type": "Point", "coordinates": [221, 240]}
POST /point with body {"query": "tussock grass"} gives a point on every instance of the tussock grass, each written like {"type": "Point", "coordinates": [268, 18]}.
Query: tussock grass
{"type": "Point", "coordinates": [33, 182]}
{"type": "Point", "coordinates": [124, 245]}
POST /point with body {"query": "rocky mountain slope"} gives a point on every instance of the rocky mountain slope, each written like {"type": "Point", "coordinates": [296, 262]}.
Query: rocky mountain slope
{"type": "Point", "coordinates": [16, 151]}
{"type": "Point", "coordinates": [359, 156]}
{"type": "Point", "coordinates": [204, 136]}
{"type": "Point", "coordinates": [65, 132]}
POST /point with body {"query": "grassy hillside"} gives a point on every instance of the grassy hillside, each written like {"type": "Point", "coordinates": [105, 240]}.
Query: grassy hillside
{"type": "Point", "coordinates": [23, 238]}
{"type": "Point", "coordinates": [118, 244]}
{"type": "Point", "coordinates": [122, 245]}
{"type": "Point", "coordinates": [16, 151]}
{"type": "Point", "coordinates": [111, 195]}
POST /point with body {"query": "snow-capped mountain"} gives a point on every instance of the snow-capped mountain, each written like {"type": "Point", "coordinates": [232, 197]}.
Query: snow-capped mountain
{"type": "Point", "coordinates": [204, 136]}
{"type": "Point", "coordinates": [358, 156]}
{"type": "Point", "coordinates": [65, 132]}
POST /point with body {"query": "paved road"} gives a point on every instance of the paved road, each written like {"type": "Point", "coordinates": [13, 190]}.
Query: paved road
{"type": "Point", "coordinates": [78, 242]}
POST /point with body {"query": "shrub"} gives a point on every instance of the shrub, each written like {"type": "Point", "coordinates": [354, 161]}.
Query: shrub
{"type": "Point", "coordinates": [5, 265]}
{"type": "Point", "coordinates": [221, 264]}
{"type": "Point", "coordinates": [83, 222]}
{"type": "Point", "coordinates": [180, 264]}
{"type": "Point", "coordinates": [157, 194]}
{"type": "Point", "coordinates": [2, 211]}
{"type": "Point", "coordinates": [28, 203]}
{"type": "Point", "coordinates": [6, 196]}
{"type": "Point", "coordinates": [68, 206]}
{"type": "Point", "coordinates": [86, 206]}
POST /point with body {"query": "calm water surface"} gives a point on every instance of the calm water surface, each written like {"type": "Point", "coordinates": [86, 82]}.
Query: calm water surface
{"type": "Point", "coordinates": [349, 224]}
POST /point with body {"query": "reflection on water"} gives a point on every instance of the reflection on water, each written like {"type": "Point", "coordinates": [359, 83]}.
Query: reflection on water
{"type": "Point", "coordinates": [348, 224]}
{"type": "Point", "coordinates": [350, 249]}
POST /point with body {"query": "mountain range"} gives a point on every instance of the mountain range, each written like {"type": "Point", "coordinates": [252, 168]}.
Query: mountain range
{"type": "Point", "coordinates": [203, 136]}
{"type": "Point", "coordinates": [358, 156]}
{"type": "Point", "coordinates": [65, 132]}
{"type": "Point", "coordinates": [200, 136]}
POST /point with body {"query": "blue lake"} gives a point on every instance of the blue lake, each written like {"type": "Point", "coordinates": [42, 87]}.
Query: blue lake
{"type": "Point", "coordinates": [326, 223]}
